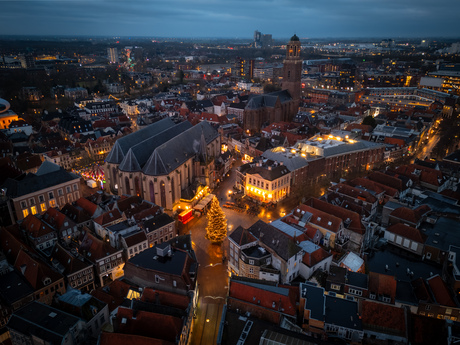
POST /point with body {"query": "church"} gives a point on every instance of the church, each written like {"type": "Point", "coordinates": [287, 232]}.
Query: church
{"type": "Point", "coordinates": [280, 105]}
{"type": "Point", "coordinates": [163, 161]}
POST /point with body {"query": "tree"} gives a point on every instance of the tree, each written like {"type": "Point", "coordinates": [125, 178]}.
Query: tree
{"type": "Point", "coordinates": [216, 230]}
{"type": "Point", "coordinates": [369, 120]}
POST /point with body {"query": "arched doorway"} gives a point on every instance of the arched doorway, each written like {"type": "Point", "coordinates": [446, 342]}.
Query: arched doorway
{"type": "Point", "coordinates": [163, 194]}
{"type": "Point", "coordinates": [152, 191]}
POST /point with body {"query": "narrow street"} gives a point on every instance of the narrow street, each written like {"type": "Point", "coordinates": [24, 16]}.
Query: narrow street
{"type": "Point", "coordinates": [212, 272]}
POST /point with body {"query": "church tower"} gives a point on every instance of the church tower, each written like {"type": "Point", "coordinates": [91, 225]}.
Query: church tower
{"type": "Point", "coordinates": [292, 73]}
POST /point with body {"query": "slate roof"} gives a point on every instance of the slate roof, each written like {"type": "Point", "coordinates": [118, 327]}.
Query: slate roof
{"type": "Point", "coordinates": [14, 287]}
{"type": "Point", "coordinates": [175, 152]}
{"type": "Point", "coordinates": [173, 264]}
{"type": "Point", "coordinates": [314, 300]}
{"type": "Point", "coordinates": [44, 178]}
{"type": "Point", "coordinates": [267, 174]}
{"type": "Point", "coordinates": [274, 239]}
{"type": "Point", "coordinates": [357, 279]}
{"type": "Point", "coordinates": [268, 99]}
{"type": "Point", "coordinates": [242, 236]}
{"type": "Point", "coordinates": [122, 145]}
{"type": "Point", "coordinates": [43, 322]}
{"type": "Point", "coordinates": [342, 312]}
{"type": "Point", "coordinates": [157, 222]}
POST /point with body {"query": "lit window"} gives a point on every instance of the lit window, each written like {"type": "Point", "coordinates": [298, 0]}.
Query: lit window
{"type": "Point", "coordinates": [33, 209]}
{"type": "Point", "coordinates": [43, 207]}
{"type": "Point", "coordinates": [52, 203]}
{"type": "Point", "coordinates": [25, 212]}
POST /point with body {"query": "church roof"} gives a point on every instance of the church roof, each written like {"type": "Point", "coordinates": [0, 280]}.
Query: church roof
{"type": "Point", "coordinates": [176, 151]}
{"type": "Point", "coordinates": [268, 99]}
{"type": "Point", "coordinates": [294, 38]}
{"type": "Point", "coordinates": [122, 145]}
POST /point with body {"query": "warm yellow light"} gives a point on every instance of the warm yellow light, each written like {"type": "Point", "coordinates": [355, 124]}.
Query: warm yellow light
{"type": "Point", "coordinates": [293, 151]}
{"type": "Point", "coordinates": [346, 137]}
{"type": "Point", "coordinates": [247, 187]}
{"type": "Point", "coordinates": [339, 138]}
{"type": "Point", "coordinates": [320, 138]}
{"type": "Point", "coordinates": [303, 155]}
{"type": "Point", "coordinates": [270, 196]}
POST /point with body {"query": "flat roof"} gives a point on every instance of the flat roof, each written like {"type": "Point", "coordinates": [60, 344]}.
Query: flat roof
{"type": "Point", "coordinates": [149, 259]}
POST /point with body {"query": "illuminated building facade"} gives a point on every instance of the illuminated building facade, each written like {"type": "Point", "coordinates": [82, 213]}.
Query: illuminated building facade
{"type": "Point", "coordinates": [163, 161]}
{"type": "Point", "coordinates": [268, 183]}
{"type": "Point", "coordinates": [450, 80]}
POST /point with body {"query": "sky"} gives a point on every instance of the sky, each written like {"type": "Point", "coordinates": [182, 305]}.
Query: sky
{"type": "Point", "coordinates": [232, 18]}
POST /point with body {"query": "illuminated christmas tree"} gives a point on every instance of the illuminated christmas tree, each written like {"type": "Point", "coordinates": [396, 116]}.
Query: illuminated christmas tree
{"type": "Point", "coordinates": [216, 230]}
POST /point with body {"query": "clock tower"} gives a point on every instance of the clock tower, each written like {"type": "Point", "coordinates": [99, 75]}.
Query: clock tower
{"type": "Point", "coordinates": [292, 72]}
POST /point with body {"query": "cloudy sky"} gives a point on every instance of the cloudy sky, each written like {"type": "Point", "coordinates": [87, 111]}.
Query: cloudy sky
{"type": "Point", "coordinates": [232, 18]}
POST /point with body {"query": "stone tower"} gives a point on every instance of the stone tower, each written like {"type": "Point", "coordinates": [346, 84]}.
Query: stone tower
{"type": "Point", "coordinates": [292, 73]}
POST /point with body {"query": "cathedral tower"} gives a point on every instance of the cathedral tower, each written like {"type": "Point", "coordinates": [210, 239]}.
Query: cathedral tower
{"type": "Point", "coordinates": [292, 72]}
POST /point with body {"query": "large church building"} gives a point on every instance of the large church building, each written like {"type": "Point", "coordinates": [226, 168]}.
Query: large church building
{"type": "Point", "coordinates": [164, 161]}
{"type": "Point", "coordinates": [280, 105]}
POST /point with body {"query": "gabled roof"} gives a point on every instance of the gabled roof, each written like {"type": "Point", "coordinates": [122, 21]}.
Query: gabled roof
{"type": "Point", "coordinates": [440, 291]}
{"type": "Point", "coordinates": [311, 259]}
{"type": "Point", "coordinates": [351, 220]}
{"type": "Point", "coordinates": [382, 284]}
{"type": "Point", "coordinates": [274, 239]}
{"type": "Point", "coordinates": [94, 248]}
{"type": "Point", "coordinates": [407, 232]}
{"type": "Point", "coordinates": [160, 326]}
{"type": "Point", "coordinates": [386, 180]}
{"type": "Point", "coordinates": [87, 205]}
{"type": "Point", "coordinates": [78, 215]}
{"type": "Point", "coordinates": [108, 217]}
{"type": "Point", "coordinates": [242, 236]}
{"type": "Point", "coordinates": [57, 219]}
{"type": "Point", "coordinates": [113, 294]}
{"type": "Point", "coordinates": [165, 298]}
{"type": "Point", "coordinates": [34, 270]}
{"type": "Point", "coordinates": [383, 317]}
{"type": "Point", "coordinates": [318, 217]}
{"type": "Point", "coordinates": [35, 227]}
{"type": "Point", "coordinates": [370, 185]}
{"type": "Point", "coordinates": [410, 215]}
{"type": "Point", "coordinates": [70, 263]}
{"type": "Point", "coordinates": [275, 298]}
{"type": "Point", "coordinates": [353, 192]}
{"type": "Point", "coordinates": [135, 238]}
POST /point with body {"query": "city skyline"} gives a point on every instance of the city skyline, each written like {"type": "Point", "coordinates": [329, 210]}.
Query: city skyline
{"type": "Point", "coordinates": [232, 19]}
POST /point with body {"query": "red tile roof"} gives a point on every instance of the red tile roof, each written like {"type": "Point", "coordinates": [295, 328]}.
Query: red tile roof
{"type": "Point", "coordinates": [87, 205]}
{"type": "Point", "coordinates": [136, 238]}
{"type": "Point", "coordinates": [353, 192]}
{"type": "Point", "coordinates": [382, 284]}
{"type": "Point", "coordinates": [159, 326]}
{"type": "Point", "coordinates": [92, 245]}
{"type": "Point", "coordinates": [409, 215]}
{"type": "Point", "coordinates": [108, 217]}
{"type": "Point", "coordinates": [363, 128]}
{"type": "Point", "coordinates": [320, 218]}
{"type": "Point", "coordinates": [10, 243]}
{"type": "Point", "coordinates": [407, 232]}
{"type": "Point", "coordinates": [386, 180]}
{"type": "Point", "coordinates": [35, 227]}
{"type": "Point", "coordinates": [123, 339]}
{"type": "Point", "coordinates": [55, 218]}
{"type": "Point", "coordinates": [113, 294]}
{"type": "Point", "coordinates": [440, 291]}
{"type": "Point", "coordinates": [311, 259]}
{"type": "Point", "coordinates": [355, 224]}
{"type": "Point", "coordinates": [382, 316]}
{"type": "Point", "coordinates": [378, 188]}
{"type": "Point", "coordinates": [165, 298]}
{"type": "Point", "coordinates": [253, 295]}
{"type": "Point", "coordinates": [34, 270]}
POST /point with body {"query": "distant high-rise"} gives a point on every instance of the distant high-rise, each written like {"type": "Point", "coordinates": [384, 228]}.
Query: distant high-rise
{"type": "Point", "coordinates": [112, 54]}
{"type": "Point", "coordinates": [27, 61]}
{"type": "Point", "coordinates": [261, 40]}
{"type": "Point", "coordinates": [257, 38]}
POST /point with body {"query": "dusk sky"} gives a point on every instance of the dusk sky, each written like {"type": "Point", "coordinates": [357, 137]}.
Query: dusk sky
{"type": "Point", "coordinates": [232, 18]}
